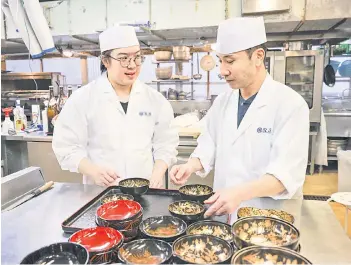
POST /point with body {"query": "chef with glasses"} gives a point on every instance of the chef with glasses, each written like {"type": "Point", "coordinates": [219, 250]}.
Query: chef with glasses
{"type": "Point", "coordinates": [117, 127]}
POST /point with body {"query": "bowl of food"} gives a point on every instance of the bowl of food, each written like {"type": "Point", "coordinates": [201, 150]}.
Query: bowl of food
{"type": "Point", "coordinates": [252, 211]}
{"type": "Point", "coordinates": [213, 228]}
{"type": "Point", "coordinates": [164, 73]}
{"type": "Point", "coordinates": [202, 249]}
{"type": "Point", "coordinates": [166, 227]}
{"type": "Point", "coordinates": [114, 195]}
{"type": "Point", "coordinates": [102, 243]}
{"type": "Point", "coordinates": [187, 210]}
{"type": "Point", "coordinates": [120, 215]}
{"type": "Point", "coordinates": [145, 251]}
{"type": "Point", "coordinates": [163, 55]}
{"type": "Point", "coordinates": [266, 232]}
{"type": "Point", "coordinates": [268, 255]}
{"type": "Point", "coordinates": [196, 192]}
{"type": "Point", "coordinates": [134, 186]}
{"type": "Point", "coordinates": [58, 253]}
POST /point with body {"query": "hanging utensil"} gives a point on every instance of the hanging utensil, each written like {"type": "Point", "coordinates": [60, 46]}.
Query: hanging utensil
{"type": "Point", "coordinates": [197, 76]}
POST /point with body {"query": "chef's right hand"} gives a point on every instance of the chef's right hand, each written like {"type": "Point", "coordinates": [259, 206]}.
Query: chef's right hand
{"type": "Point", "coordinates": [103, 176]}
{"type": "Point", "coordinates": [180, 173]}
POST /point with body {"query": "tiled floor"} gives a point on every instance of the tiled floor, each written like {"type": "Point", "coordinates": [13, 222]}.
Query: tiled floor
{"type": "Point", "coordinates": [327, 184]}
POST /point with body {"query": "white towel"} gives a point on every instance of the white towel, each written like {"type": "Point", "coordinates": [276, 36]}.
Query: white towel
{"type": "Point", "coordinates": [322, 143]}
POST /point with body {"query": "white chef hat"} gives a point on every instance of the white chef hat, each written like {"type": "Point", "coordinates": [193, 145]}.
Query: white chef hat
{"type": "Point", "coordinates": [118, 37]}
{"type": "Point", "coordinates": [240, 33]}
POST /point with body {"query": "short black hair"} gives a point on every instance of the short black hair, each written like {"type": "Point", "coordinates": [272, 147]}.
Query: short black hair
{"type": "Point", "coordinates": [250, 51]}
{"type": "Point", "coordinates": [105, 54]}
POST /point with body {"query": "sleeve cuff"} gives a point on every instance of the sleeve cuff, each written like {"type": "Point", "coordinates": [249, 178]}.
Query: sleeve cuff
{"type": "Point", "coordinates": [206, 168]}
{"type": "Point", "coordinates": [290, 186]}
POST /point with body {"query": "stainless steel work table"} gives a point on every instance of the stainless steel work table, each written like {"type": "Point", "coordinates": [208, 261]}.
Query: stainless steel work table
{"type": "Point", "coordinates": [38, 223]}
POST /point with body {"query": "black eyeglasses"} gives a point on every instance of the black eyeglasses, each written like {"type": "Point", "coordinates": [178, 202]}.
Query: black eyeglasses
{"type": "Point", "coordinates": [125, 61]}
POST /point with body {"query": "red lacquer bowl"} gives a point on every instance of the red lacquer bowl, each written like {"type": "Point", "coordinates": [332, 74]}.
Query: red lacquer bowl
{"type": "Point", "coordinates": [98, 238]}
{"type": "Point", "coordinates": [102, 243]}
{"type": "Point", "coordinates": [119, 210]}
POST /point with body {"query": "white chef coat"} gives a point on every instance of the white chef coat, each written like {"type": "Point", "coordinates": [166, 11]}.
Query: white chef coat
{"type": "Point", "coordinates": [93, 124]}
{"type": "Point", "coordinates": [272, 138]}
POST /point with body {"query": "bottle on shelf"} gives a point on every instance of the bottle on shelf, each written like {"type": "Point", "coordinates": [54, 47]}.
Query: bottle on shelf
{"type": "Point", "coordinates": [51, 110]}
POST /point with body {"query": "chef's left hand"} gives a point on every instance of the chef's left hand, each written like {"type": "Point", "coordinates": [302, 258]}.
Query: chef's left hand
{"type": "Point", "coordinates": [156, 182]}
{"type": "Point", "coordinates": [224, 201]}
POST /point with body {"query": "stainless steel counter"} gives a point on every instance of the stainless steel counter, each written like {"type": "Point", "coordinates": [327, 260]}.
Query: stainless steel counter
{"type": "Point", "coordinates": [28, 137]}
{"type": "Point", "coordinates": [38, 223]}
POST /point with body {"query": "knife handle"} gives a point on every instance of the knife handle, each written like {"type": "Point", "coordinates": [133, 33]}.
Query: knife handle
{"type": "Point", "coordinates": [43, 188]}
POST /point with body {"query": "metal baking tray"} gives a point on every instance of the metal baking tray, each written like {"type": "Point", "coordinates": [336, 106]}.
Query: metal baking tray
{"type": "Point", "coordinates": [155, 203]}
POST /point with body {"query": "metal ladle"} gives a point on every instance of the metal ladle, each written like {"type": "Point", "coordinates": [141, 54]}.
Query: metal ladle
{"type": "Point", "coordinates": [197, 76]}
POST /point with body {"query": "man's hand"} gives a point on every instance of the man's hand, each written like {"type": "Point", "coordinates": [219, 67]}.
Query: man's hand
{"type": "Point", "coordinates": [224, 201]}
{"type": "Point", "coordinates": [156, 182]}
{"type": "Point", "coordinates": [180, 173]}
{"type": "Point", "coordinates": [103, 176]}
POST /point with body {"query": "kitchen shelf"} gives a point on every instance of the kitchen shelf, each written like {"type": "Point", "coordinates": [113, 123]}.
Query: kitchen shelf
{"type": "Point", "coordinates": [172, 61]}
{"type": "Point", "coordinates": [172, 81]}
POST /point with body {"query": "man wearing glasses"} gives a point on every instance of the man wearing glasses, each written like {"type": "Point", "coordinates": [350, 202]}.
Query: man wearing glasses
{"type": "Point", "coordinates": [116, 127]}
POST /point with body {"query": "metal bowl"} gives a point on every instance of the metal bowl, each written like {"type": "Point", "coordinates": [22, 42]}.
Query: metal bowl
{"type": "Point", "coordinates": [213, 228]}
{"type": "Point", "coordinates": [164, 72]}
{"type": "Point", "coordinates": [252, 211]}
{"type": "Point", "coordinates": [202, 249]}
{"type": "Point", "coordinates": [134, 186]}
{"type": "Point", "coordinates": [187, 210]}
{"type": "Point", "coordinates": [163, 55]}
{"type": "Point", "coordinates": [265, 232]}
{"type": "Point", "coordinates": [167, 228]}
{"type": "Point", "coordinates": [196, 192]}
{"type": "Point", "coordinates": [145, 251]}
{"type": "Point", "coordinates": [268, 255]}
{"type": "Point", "coordinates": [58, 253]}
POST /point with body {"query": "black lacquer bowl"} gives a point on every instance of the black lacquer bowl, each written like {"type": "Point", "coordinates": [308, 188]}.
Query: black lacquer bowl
{"type": "Point", "coordinates": [196, 192]}
{"type": "Point", "coordinates": [58, 253]}
{"type": "Point", "coordinates": [266, 232]}
{"type": "Point", "coordinates": [214, 228]}
{"type": "Point", "coordinates": [145, 251]}
{"type": "Point", "coordinates": [165, 227]}
{"type": "Point", "coordinates": [187, 210]}
{"type": "Point", "coordinates": [268, 255]}
{"type": "Point", "coordinates": [202, 249]}
{"type": "Point", "coordinates": [134, 186]}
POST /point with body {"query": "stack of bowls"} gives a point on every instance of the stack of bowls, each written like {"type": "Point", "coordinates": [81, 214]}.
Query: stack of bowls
{"type": "Point", "coordinates": [102, 243]}
{"type": "Point", "coordinates": [181, 53]}
{"type": "Point", "coordinates": [124, 216]}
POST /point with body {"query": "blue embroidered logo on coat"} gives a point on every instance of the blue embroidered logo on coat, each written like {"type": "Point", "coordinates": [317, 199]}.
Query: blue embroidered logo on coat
{"type": "Point", "coordinates": [264, 130]}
